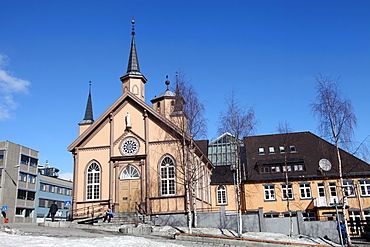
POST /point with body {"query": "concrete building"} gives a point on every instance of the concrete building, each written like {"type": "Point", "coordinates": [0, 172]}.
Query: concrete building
{"type": "Point", "coordinates": [51, 188]}
{"type": "Point", "coordinates": [18, 180]}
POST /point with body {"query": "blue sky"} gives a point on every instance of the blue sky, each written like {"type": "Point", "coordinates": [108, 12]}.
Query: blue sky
{"type": "Point", "coordinates": [268, 51]}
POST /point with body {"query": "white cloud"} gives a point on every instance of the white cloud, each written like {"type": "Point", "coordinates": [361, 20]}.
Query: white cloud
{"type": "Point", "coordinates": [9, 85]}
{"type": "Point", "coordinates": [66, 176]}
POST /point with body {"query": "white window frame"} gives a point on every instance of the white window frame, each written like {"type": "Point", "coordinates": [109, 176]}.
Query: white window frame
{"type": "Point", "coordinates": [293, 149]}
{"type": "Point", "coordinates": [298, 167]}
{"type": "Point", "coordinates": [221, 194]}
{"type": "Point", "coordinates": [286, 190]}
{"type": "Point", "coordinates": [333, 189]}
{"type": "Point", "coordinates": [305, 191]}
{"type": "Point", "coordinates": [349, 188]}
{"type": "Point", "coordinates": [130, 172]}
{"type": "Point", "coordinates": [271, 150]}
{"type": "Point", "coordinates": [168, 176]}
{"type": "Point", "coordinates": [365, 187]}
{"type": "Point", "coordinates": [261, 151]}
{"type": "Point", "coordinates": [275, 169]}
{"type": "Point", "coordinates": [93, 179]}
{"type": "Point", "coordinates": [269, 192]}
{"type": "Point", "coordinates": [287, 168]}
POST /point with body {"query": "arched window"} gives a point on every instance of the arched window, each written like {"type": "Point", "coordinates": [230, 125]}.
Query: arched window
{"type": "Point", "coordinates": [130, 172]}
{"type": "Point", "coordinates": [221, 194]}
{"type": "Point", "coordinates": [93, 182]}
{"type": "Point", "coordinates": [167, 176]}
{"type": "Point", "coordinates": [135, 90]}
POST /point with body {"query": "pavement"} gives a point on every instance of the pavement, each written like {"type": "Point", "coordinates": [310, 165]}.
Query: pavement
{"type": "Point", "coordinates": [73, 230]}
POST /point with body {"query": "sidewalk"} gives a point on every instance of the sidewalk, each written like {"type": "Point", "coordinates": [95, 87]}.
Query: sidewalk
{"type": "Point", "coordinates": [167, 234]}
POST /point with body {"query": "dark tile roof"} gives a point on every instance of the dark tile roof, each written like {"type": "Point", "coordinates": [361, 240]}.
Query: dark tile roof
{"type": "Point", "coordinates": [309, 150]}
{"type": "Point", "coordinates": [222, 175]}
{"type": "Point", "coordinates": [203, 145]}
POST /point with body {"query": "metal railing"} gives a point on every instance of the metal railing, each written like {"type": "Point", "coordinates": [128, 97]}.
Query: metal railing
{"type": "Point", "coordinates": [89, 209]}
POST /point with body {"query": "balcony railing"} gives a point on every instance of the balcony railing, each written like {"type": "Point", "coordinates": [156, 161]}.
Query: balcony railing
{"type": "Point", "coordinates": [328, 201]}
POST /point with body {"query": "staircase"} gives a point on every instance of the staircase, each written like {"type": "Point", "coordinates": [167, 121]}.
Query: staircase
{"type": "Point", "coordinates": [128, 218]}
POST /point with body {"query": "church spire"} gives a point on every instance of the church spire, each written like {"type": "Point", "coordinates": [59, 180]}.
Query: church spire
{"type": "Point", "coordinates": [133, 62]}
{"type": "Point", "coordinates": [133, 81]}
{"type": "Point", "coordinates": [88, 119]}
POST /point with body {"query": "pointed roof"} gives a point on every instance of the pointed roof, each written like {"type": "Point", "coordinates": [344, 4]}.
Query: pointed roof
{"type": "Point", "coordinates": [166, 94]}
{"type": "Point", "coordinates": [133, 62]}
{"type": "Point", "coordinates": [89, 118]}
{"type": "Point", "coordinates": [179, 102]}
{"type": "Point", "coordinates": [131, 98]}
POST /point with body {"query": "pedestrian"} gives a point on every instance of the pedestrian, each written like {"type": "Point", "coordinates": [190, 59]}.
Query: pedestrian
{"type": "Point", "coordinates": [342, 228]}
{"type": "Point", "coordinates": [108, 215]}
{"type": "Point", "coordinates": [53, 210]}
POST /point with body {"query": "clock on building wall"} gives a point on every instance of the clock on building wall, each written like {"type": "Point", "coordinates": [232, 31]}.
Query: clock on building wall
{"type": "Point", "coordinates": [325, 164]}
{"type": "Point", "coordinates": [130, 146]}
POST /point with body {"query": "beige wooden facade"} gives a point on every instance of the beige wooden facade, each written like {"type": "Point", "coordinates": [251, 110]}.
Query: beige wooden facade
{"type": "Point", "coordinates": [120, 159]}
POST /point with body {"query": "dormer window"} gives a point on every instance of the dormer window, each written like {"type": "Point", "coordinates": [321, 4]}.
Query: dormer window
{"type": "Point", "coordinates": [271, 150]}
{"type": "Point", "coordinates": [287, 168]}
{"type": "Point", "coordinates": [293, 149]}
{"type": "Point", "coordinates": [264, 170]}
{"type": "Point", "coordinates": [282, 149]}
{"type": "Point", "coordinates": [261, 151]}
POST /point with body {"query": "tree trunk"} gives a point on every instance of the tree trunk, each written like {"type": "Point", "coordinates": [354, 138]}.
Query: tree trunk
{"type": "Point", "coordinates": [343, 194]}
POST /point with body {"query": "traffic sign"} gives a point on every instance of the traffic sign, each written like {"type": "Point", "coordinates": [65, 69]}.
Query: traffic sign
{"type": "Point", "coordinates": [67, 203]}
{"type": "Point", "coordinates": [4, 208]}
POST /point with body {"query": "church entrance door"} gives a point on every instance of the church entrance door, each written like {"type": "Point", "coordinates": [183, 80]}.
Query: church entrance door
{"type": "Point", "coordinates": [130, 191]}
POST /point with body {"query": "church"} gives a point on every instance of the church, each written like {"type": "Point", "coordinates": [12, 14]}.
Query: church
{"type": "Point", "coordinates": [133, 158]}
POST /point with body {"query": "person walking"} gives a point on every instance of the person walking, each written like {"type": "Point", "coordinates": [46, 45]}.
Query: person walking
{"type": "Point", "coordinates": [342, 229]}
{"type": "Point", "coordinates": [108, 215]}
{"type": "Point", "coordinates": [53, 210]}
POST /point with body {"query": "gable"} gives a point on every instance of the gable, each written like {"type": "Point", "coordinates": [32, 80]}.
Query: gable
{"type": "Point", "coordinates": [99, 132]}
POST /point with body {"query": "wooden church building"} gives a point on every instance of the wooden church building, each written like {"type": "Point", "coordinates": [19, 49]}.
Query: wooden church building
{"type": "Point", "coordinates": [130, 158]}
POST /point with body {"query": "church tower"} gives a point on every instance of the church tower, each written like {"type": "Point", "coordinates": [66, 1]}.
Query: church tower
{"type": "Point", "coordinates": [133, 81]}
{"type": "Point", "coordinates": [171, 105]}
{"type": "Point", "coordinates": [164, 103]}
{"type": "Point", "coordinates": [88, 119]}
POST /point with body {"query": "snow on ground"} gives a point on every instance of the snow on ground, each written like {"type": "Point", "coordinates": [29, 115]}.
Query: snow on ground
{"type": "Point", "coordinates": [108, 235]}
{"type": "Point", "coordinates": [10, 240]}
{"type": "Point", "coordinates": [169, 231]}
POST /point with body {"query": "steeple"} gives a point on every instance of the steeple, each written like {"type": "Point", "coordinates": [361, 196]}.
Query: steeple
{"type": "Point", "coordinates": [133, 81]}
{"type": "Point", "coordinates": [88, 119]}
{"type": "Point", "coordinates": [133, 67]}
{"type": "Point", "coordinates": [179, 102]}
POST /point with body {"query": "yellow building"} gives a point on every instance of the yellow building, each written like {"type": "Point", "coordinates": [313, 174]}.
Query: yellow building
{"type": "Point", "coordinates": [132, 156]}
{"type": "Point", "coordinates": [286, 173]}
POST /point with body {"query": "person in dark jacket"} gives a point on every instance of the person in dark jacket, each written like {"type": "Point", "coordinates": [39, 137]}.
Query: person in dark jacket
{"type": "Point", "coordinates": [53, 210]}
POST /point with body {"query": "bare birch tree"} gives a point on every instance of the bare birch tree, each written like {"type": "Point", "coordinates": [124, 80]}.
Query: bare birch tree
{"type": "Point", "coordinates": [192, 125]}
{"type": "Point", "coordinates": [239, 121]}
{"type": "Point", "coordinates": [284, 129]}
{"type": "Point", "coordinates": [336, 122]}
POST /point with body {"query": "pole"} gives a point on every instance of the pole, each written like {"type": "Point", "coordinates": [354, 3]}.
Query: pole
{"type": "Point", "coordinates": [338, 226]}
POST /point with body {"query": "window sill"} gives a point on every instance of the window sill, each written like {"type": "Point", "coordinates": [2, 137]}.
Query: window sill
{"type": "Point", "coordinates": [274, 200]}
